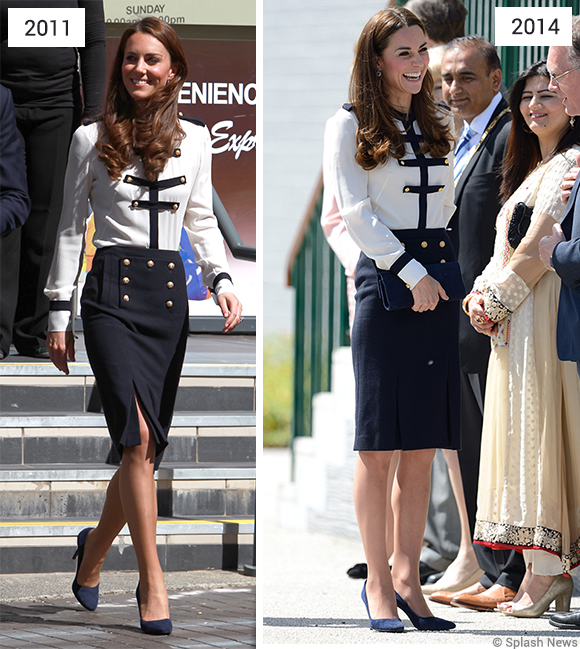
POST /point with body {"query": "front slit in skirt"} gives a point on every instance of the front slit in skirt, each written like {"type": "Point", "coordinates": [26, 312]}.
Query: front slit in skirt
{"type": "Point", "coordinates": [135, 316]}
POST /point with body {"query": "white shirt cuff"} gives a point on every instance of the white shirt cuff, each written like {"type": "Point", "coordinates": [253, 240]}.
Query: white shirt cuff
{"type": "Point", "coordinates": [224, 286]}
{"type": "Point", "coordinates": [59, 321]}
{"type": "Point", "coordinates": [412, 273]}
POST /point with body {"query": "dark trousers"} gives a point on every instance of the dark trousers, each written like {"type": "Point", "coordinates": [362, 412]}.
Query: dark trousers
{"type": "Point", "coordinates": [472, 396]}
{"type": "Point", "coordinates": [504, 567]}
{"type": "Point", "coordinates": [26, 254]}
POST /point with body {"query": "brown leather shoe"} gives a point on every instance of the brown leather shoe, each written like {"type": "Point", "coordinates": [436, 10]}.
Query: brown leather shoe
{"type": "Point", "coordinates": [445, 596]}
{"type": "Point", "coordinates": [486, 601]}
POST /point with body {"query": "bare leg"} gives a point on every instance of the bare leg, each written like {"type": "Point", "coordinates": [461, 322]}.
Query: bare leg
{"type": "Point", "coordinates": [390, 515]}
{"type": "Point", "coordinates": [131, 498]}
{"type": "Point", "coordinates": [465, 564]}
{"type": "Point", "coordinates": [370, 503]}
{"type": "Point", "coordinates": [139, 499]}
{"type": "Point", "coordinates": [410, 504]}
{"type": "Point", "coordinates": [100, 539]}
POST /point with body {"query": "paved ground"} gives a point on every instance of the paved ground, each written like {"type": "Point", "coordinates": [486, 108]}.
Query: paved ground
{"type": "Point", "coordinates": [208, 609]}
{"type": "Point", "coordinates": [309, 599]}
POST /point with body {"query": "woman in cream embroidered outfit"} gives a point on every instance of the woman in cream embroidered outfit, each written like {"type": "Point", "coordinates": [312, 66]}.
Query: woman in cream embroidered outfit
{"type": "Point", "coordinates": [146, 173]}
{"type": "Point", "coordinates": [528, 496]}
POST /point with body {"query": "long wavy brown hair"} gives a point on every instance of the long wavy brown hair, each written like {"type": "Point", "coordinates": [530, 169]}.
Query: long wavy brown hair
{"type": "Point", "coordinates": [378, 136]}
{"type": "Point", "coordinates": [155, 132]}
{"type": "Point", "coordinates": [523, 147]}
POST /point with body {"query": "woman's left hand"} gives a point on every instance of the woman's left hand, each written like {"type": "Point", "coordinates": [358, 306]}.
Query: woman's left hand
{"type": "Point", "coordinates": [231, 310]}
{"type": "Point", "coordinates": [477, 317]}
{"type": "Point", "coordinates": [426, 294]}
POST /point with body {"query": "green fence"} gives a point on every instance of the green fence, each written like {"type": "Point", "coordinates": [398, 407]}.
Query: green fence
{"type": "Point", "coordinates": [321, 318]}
{"type": "Point", "coordinates": [321, 314]}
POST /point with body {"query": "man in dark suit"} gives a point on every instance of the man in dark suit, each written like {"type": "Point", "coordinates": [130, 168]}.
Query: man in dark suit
{"type": "Point", "coordinates": [472, 77]}
{"type": "Point", "coordinates": [14, 199]}
{"type": "Point", "coordinates": [561, 251]}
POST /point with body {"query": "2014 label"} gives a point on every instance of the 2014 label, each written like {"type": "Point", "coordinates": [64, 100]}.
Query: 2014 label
{"type": "Point", "coordinates": [529, 26]}
{"type": "Point", "coordinates": [523, 26]}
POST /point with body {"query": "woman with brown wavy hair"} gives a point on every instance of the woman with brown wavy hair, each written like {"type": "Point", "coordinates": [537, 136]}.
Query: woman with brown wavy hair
{"type": "Point", "coordinates": [146, 173]}
{"type": "Point", "coordinates": [390, 169]}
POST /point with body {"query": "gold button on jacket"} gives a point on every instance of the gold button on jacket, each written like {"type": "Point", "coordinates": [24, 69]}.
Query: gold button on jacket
{"type": "Point", "coordinates": [150, 264]}
{"type": "Point", "coordinates": [126, 298]}
{"type": "Point", "coordinates": [126, 262]}
{"type": "Point", "coordinates": [169, 304]}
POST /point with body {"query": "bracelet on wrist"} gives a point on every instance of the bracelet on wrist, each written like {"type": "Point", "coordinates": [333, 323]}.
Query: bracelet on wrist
{"type": "Point", "coordinates": [465, 303]}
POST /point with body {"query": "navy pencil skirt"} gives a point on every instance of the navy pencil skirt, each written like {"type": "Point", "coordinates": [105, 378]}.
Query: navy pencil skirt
{"type": "Point", "coordinates": [134, 310]}
{"type": "Point", "coordinates": [406, 367]}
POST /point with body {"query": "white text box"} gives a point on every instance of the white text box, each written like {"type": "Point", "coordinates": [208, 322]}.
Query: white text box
{"type": "Point", "coordinates": [533, 26]}
{"type": "Point", "coordinates": [46, 27]}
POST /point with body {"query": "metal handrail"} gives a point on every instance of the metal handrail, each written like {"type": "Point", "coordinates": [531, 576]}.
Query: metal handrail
{"type": "Point", "coordinates": [238, 249]}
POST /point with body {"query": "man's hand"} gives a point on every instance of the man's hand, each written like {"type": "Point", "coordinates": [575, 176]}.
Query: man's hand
{"type": "Point", "coordinates": [547, 245]}
{"type": "Point", "coordinates": [569, 180]}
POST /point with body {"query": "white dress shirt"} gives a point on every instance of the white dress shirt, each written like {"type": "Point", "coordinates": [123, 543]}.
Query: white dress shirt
{"type": "Point", "coordinates": [119, 223]}
{"type": "Point", "coordinates": [373, 203]}
{"type": "Point", "coordinates": [479, 124]}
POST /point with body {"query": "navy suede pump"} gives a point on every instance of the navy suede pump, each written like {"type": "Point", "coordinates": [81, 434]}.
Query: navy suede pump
{"type": "Point", "coordinates": [388, 624]}
{"type": "Point", "coordinates": [153, 627]}
{"type": "Point", "coordinates": [423, 623]}
{"type": "Point", "coordinates": [86, 596]}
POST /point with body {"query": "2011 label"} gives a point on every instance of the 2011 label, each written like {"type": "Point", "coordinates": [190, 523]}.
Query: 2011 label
{"type": "Point", "coordinates": [41, 28]}
{"type": "Point", "coordinates": [50, 27]}
{"type": "Point", "coordinates": [521, 26]}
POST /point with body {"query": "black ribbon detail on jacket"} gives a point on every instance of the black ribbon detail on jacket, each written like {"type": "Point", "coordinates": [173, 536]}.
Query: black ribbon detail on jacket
{"type": "Point", "coordinates": [154, 205]}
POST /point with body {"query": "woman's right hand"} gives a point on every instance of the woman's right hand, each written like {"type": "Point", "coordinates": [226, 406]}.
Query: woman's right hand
{"type": "Point", "coordinates": [477, 316]}
{"type": "Point", "coordinates": [426, 293]}
{"type": "Point", "coordinates": [60, 345]}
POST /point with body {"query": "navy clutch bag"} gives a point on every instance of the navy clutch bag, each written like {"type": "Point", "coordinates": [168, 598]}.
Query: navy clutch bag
{"type": "Point", "coordinates": [394, 292]}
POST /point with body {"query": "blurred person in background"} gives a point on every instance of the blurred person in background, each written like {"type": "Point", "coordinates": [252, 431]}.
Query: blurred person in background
{"type": "Point", "coordinates": [54, 89]}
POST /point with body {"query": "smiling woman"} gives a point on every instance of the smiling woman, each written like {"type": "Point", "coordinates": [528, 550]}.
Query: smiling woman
{"type": "Point", "coordinates": [146, 173]}
{"type": "Point", "coordinates": [146, 65]}
{"type": "Point", "coordinates": [527, 498]}
{"type": "Point", "coordinates": [388, 164]}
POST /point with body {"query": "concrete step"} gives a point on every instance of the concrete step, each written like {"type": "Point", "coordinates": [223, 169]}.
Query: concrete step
{"type": "Point", "coordinates": [56, 492]}
{"type": "Point", "coordinates": [56, 438]}
{"type": "Point", "coordinates": [218, 374]}
{"type": "Point", "coordinates": [56, 462]}
{"type": "Point", "coordinates": [46, 546]}
{"type": "Point", "coordinates": [79, 393]}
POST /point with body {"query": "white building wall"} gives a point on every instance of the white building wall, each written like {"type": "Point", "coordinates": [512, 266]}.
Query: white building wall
{"type": "Point", "coordinates": [308, 46]}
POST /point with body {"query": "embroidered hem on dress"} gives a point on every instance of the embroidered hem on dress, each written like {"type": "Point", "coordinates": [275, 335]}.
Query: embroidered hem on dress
{"type": "Point", "coordinates": [502, 536]}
